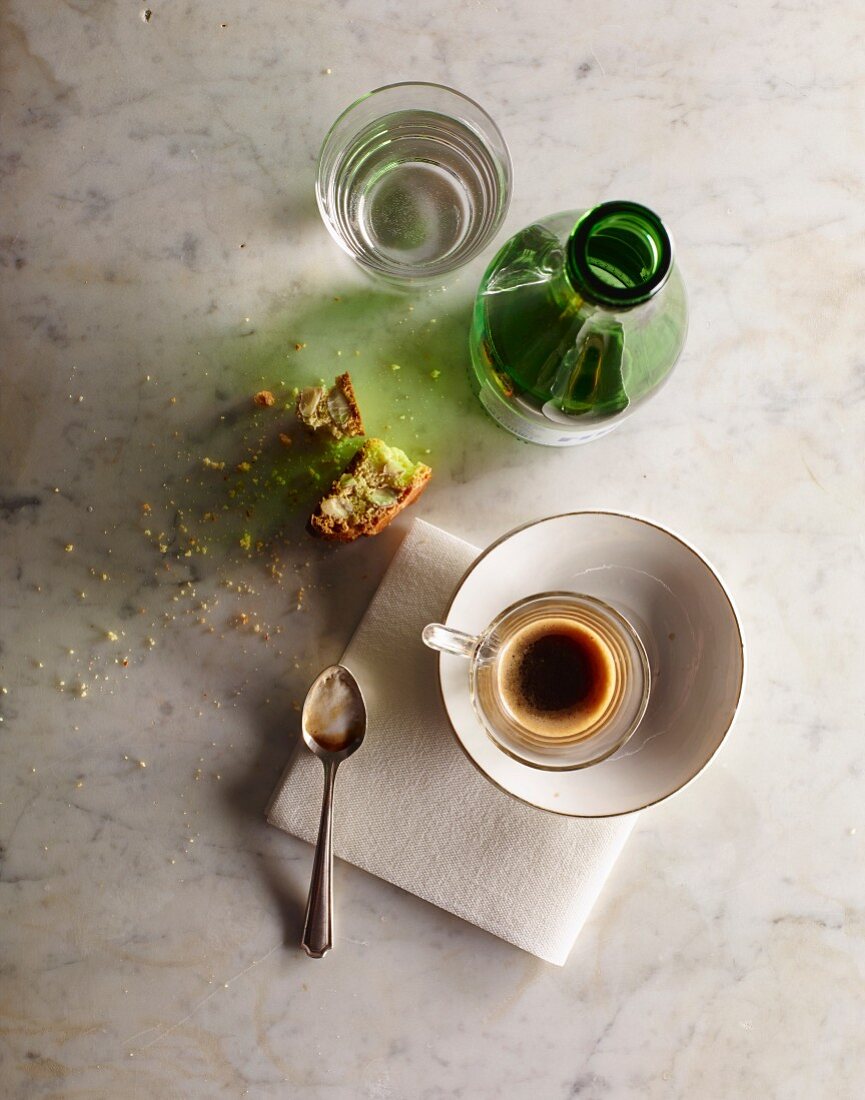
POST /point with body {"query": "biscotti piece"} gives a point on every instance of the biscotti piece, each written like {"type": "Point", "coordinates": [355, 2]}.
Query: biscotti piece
{"type": "Point", "coordinates": [377, 484]}
{"type": "Point", "coordinates": [334, 409]}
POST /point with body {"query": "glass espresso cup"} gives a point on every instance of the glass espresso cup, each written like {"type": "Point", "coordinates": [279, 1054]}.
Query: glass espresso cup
{"type": "Point", "coordinates": [559, 680]}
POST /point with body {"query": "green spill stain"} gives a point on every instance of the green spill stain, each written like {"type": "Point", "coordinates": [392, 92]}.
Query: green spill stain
{"type": "Point", "coordinates": [408, 359]}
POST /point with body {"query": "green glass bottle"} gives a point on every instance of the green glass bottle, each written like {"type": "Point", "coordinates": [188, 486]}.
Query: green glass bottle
{"type": "Point", "coordinates": [578, 319]}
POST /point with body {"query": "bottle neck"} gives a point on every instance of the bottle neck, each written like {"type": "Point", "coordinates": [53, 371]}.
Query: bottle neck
{"type": "Point", "coordinates": [619, 255]}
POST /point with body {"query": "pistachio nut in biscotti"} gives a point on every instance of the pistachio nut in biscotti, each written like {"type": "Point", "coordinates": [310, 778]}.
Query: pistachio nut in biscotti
{"type": "Point", "coordinates": [375, 487]}
{"type": "Point", "coordinates": [335, 410]}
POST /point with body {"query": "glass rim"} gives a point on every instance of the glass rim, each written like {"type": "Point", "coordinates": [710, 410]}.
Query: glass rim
{"type": "Point", "coordinates": [417, 84]}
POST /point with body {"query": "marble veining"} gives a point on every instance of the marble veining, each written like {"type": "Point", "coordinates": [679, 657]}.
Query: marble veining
{"type": "Point", "coordinates": [162, 259]}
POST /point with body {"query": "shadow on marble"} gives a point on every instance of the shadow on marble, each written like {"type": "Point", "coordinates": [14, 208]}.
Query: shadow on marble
{"type": "Point", "coordinates": [293, 212]}
{"type": "Point", "coordinates": [344, 596]}
{"type": "Point", "coordinates": [256, 473]}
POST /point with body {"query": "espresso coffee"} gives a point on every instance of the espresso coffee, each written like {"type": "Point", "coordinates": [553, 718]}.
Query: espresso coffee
{"type": "Point", "coordinates": [557, 677]}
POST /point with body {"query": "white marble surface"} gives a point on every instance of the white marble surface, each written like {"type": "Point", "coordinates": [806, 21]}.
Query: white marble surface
{"type": "Point", "coordinates": [149, 918]}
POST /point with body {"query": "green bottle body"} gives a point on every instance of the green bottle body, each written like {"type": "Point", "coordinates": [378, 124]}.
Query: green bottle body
{"type": "Point", "coordinates": [579, 318]}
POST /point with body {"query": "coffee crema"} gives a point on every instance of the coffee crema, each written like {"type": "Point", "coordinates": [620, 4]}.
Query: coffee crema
{"type": "Point", "coordinates": [556, 677]}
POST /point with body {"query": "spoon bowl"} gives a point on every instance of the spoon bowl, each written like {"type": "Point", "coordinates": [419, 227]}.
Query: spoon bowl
{"type": "Point", "coordinates": [333, 720]}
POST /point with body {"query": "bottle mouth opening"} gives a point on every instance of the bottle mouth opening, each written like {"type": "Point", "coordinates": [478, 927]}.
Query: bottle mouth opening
{"type": "Point", "coordinates": [619, 254]}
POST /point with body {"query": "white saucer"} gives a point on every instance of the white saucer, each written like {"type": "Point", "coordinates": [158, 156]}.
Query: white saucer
{"type": "Point", "coordinates": [688, 624]}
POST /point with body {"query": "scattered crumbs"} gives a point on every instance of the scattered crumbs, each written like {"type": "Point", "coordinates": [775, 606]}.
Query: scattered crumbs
{"type": "Point", "coordinates": [264, 398]}
{"type": "Point", "coordinates": [327, 72]}
{"type": "Point", "coordinates": [145, 508]}
{"type": "Point", "coordinates": [301, 594]}
{"type": "Point", "coordinates": [111, 635]}
{"type": "Point", "coordinates": [299, 347]}
{"type": "Point", "coordinates": [79, 784]}
{"type": "Point", "coordinates": [243, 467]}
{"type": "Point", "coordinates": [209, 464]}
{"type": "Point", "coordinates": [150, 643]}
{"type": "Point", "coordinates": [284, 439]}
{"type": "Point", "coordinates": [246, 541]}
{"type": "Point", "coordinates": [395, 366]}
{"type": "Point", "coordinates": [69, 547]}
{"type": "Point", "coordinates": [4, 691]}
{"type": "Point", "coordinates": [435, 374]}
{"type": "Point", "coordinates": [142, 763]}
{"type": "Point", "coordinates": [243, 245]}
{"type": "Point", "coordinates": [146, 16]}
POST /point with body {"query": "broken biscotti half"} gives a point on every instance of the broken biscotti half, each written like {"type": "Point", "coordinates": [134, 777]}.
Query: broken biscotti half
{"type": "Point", "coordinates": [377, 484]}
{"type": "Point", "coordinates": [335, 409]}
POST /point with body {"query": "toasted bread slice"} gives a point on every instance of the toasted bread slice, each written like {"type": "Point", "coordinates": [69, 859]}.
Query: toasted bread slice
{"type": "Point", "coordinates": [377, 484]}
{"type": "Point", "coordinates": [334, 409]}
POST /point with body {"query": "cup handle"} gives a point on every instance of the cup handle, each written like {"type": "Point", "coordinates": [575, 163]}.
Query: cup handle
{"type": "Point", "coordinates": [446, 640]}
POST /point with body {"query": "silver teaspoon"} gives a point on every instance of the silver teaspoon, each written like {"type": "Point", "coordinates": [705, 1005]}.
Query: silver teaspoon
{"type": "Point", "coordinates": [333, 723]}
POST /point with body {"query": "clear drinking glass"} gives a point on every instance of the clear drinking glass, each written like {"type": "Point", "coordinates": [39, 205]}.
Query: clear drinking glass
{"type": "Point", "coordinates": [413, 181]}
{"type": "Point", "coordinates": [577, 741]}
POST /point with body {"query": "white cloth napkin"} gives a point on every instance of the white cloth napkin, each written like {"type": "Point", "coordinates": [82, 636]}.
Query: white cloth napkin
{"type": "Point", "coordinates": [409, 806]}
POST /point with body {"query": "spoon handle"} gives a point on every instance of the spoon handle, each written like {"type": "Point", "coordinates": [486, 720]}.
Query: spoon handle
{"type": "Point", "coordinates": [318, 924]}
